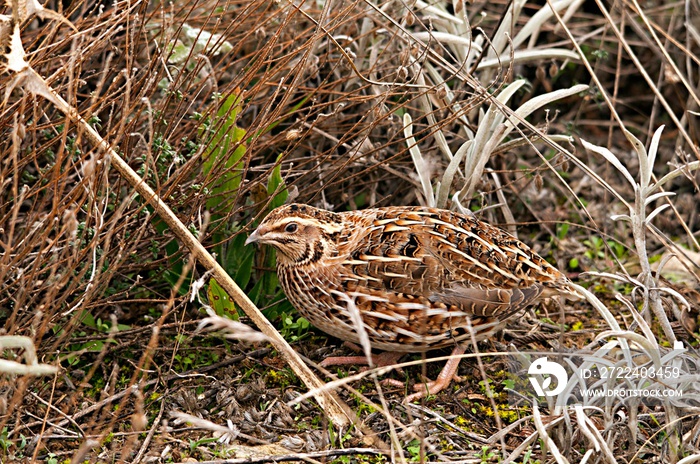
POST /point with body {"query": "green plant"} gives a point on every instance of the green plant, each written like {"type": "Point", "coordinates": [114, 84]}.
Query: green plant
{"type": "Point", "coordinates": [562, 230]}
{"type": "Point", "coordinates": [223, 155]}
{"type": "Point", "coordinates": [527, 458]}
{"type": "Point", "coordinates": [187, 358]}
{"type": "Point", "coordinates": [194, 444]}
{"type": "Point", "coordinates": [239, 260]}
{"type": "Point", "coordinates": [224, 161]}
{"type": "Point", "coordinates": [294, 330]}
{"type": "Point", "coordinates": [597, 248]}
{"type": "Point", "coordinates": [94, 346]}
{"type": "Point", "coordinates": [600, 55]}
{"type": "Point", "coordinates": [413, 450]}
{"type": "Point", "coordinates": [220, 301]}
{"type": "Point", "coordinates": [222, 169]}
{"type": "Point", "coordinates": [98, 324]}
{"type": "Point", "coordinates": [486, 455]}
{"type": "Point", "coordinates": [5, 443]}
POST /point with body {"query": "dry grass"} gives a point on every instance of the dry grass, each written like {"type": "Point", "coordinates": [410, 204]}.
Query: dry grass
{"type": "Point", "coordinates": [97, 283]}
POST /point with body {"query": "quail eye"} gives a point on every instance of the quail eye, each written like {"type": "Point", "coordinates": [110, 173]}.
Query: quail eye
{"type": "Point", "coordinates": [291, 228]}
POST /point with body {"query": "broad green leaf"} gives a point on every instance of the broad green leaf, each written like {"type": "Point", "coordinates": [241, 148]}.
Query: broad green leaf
{"type": "Point", "coordinates": [220, 135]}
{"type": "Point", "coordinates": [88, 319]}
{"type": "Point", "coordinates": [220, 301]}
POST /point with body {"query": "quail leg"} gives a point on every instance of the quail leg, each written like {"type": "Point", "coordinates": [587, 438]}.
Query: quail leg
{"type": "Point", "coordinates": [444, 378]}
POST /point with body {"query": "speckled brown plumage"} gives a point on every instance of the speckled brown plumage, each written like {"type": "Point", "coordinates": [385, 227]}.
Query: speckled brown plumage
{"type": "Point", "coordinates": [420, 277]}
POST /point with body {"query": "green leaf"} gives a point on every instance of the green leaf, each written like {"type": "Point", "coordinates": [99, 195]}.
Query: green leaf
{"type": "Point", "coordinates": [245, 269]}
{"type": "Point", "coordinates": [220, 162]}
{"type": "Point", "coordinates": [94, 346]}
{"type": "Point", "coordinates": [271, 283]}
{"type": "Point", "coordinates": [88, 319]}
{"type": "Point", "coordinates": [256, 291]}
{"type": "Point", "coordinates": [562, 230]}
{"type": "Point", "coordinates": [276, 185]}
{"type": "Point", "coordinates": [237, 259]}
{"type": "Point", "coordinates": [220, 301]}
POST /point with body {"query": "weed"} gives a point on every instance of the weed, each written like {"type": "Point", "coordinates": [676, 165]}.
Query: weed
{"type": "Point", "coordinates": [294, 330]}
{"type": "Point", "coordinates": [282, 378]}
{"type": "Point", "coordinates": [487, 454]}
{"type": "Point", "coordinates": [186, 360]}
{"type": "Point", "coordinates": [414, 450]}
{"type": "Point", "coordinates": [5, 443]}
{"type": "Point", "coordinates": [598, 249]}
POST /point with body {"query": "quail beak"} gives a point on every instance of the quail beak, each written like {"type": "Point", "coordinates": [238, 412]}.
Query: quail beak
{"type": "Point", "coordinates": [254, 237]}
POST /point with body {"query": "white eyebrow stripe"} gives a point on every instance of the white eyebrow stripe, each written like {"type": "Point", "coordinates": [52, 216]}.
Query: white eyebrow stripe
{"type": "Point", "coordinates": [326, 226]}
